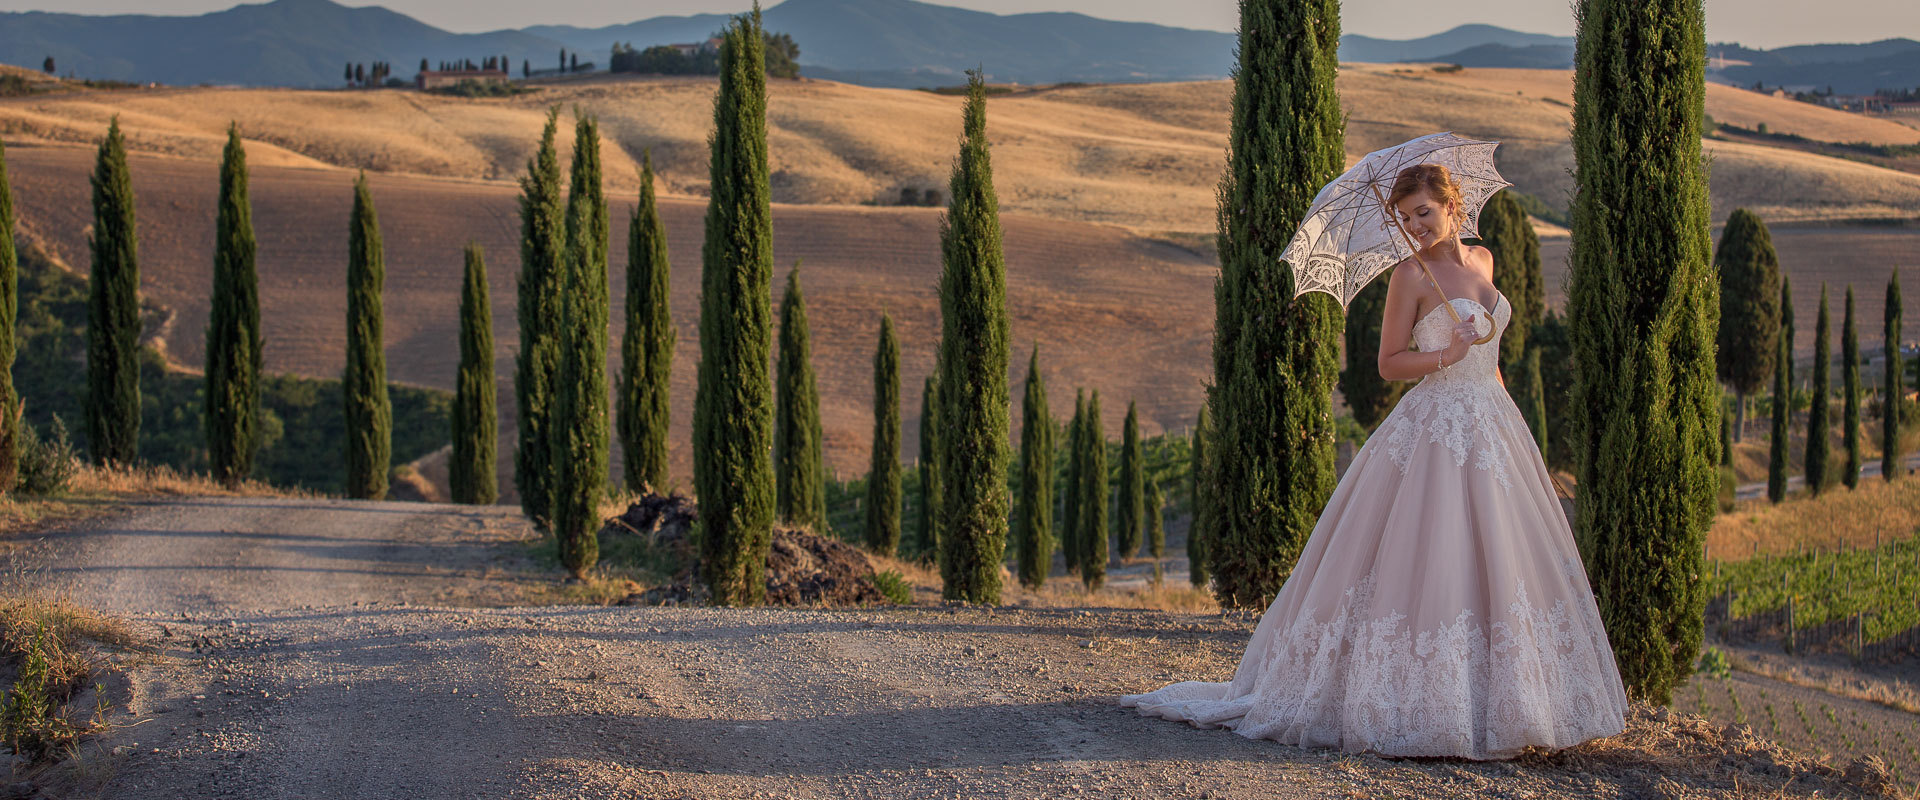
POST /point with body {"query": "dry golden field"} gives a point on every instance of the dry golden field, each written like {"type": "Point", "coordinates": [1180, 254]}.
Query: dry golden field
{"type": "Point", "coordinates": [1098, 184]}
{"type": "Point", "coordinates": [1143, 156]}
{"type": "Point", "coordinates": [1128, 315]}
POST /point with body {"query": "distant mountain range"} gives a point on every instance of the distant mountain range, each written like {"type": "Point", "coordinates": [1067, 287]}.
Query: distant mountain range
{"type": "Point", "coordinates": [897, 43]}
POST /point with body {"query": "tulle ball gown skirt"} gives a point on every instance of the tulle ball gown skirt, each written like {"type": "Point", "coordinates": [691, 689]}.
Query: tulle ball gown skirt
{"type": "Point", "coordinates": [1440, 607]}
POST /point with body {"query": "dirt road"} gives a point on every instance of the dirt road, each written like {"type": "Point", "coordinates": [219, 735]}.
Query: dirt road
{"type": "Point", "coordinates": [320, 649]}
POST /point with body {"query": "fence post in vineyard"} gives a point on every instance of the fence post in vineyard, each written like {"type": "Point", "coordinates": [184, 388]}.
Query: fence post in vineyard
{"type": "Point", "coordinates": [1859, 638]}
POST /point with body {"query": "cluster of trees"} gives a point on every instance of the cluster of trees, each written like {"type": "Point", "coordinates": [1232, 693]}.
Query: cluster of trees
{"type": "Point", "coordinates": [368, 75]}
{"type": "Point", "coordinates": [1756, 349]}
{"type": "Point", "coordinates": [781, 53]}
{"type": "Point", "coordinates": [235, 421]}
{"type": "Point", "coordinates": [501, 63]}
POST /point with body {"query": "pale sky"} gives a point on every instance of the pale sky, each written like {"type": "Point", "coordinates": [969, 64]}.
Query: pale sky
{"type": "Point", "coordinates": [1755, 23]}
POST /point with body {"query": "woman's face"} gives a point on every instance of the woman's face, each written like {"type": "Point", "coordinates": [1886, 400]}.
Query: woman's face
{"type": "Point", "coordinates": [1427, 220]}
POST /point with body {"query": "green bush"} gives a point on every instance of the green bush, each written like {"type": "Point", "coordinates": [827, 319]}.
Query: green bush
{"type": "Point", "coordinates": [1714, 664]}
{"type": "Point", "coordinates": [469, 87]}
{"type": "Point", "coordinates": [891, 584]}
{"type": "Point", "coordinates": [47, 465]}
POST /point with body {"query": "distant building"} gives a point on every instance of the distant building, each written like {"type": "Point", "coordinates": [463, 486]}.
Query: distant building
{"type": "Point", "coordinates": [691, 49]}
{"type": "Point", "coordinates": [434, 79]}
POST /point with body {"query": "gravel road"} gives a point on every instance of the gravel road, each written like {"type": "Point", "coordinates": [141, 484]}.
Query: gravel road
{"type": "Point", "coordinates": [330, 649]}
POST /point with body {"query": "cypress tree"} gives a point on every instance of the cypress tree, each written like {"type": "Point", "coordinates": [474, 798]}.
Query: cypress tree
{"type": "Point", "coordinates": [646, 349]}
{"type": "Point", "coordinates": [973, 362]}
{"type": "Point", "coordinates": [9, 307]}
{"type": "Point", "coordinates": [1506, 231]}
{"type": "Point", "coordinates": [1895, 384]}
{"type": "Point", "coordinates": [1094, 497]}
{"type": "Point", "coordinates": [232, 411]}
{"type": "Point", "coordinates": [1818, 423]}
{"type": "Point", "coordinates": [369, 413]}
{"type": "Point", "coordinates": [1726, 438]}
{"type": "Point", "coordinates": [1156, 523]}
{"type": "Point", "coordinates": [542, 242]}
{"type": "Point", "coordinates": [1200, 490]}
{"type": "Point", "coordinates": [1643, 306]}
{"type": "Point", "coordinates": [927, 536]}
{"type": "Point", "coordinates": [1369, 396]}
{"type": "Point", "coordinates": [1782, 408]}
{"type": "Point", "coordinates": [1273, 357]}
{"type": "Point", "coordinates": [732, 418]}
{"type": "Point", "coordinates": [883, 472]}
{"type": "Point", "coordinates": [800, 475]}
{"type": "Point", "coordinates": [1535, 411]}
{"type": "Point", "coordinates": [471, 472]}
{"type": "Point", "coordinates": [1786, 327]}
{"type": "Point", "coordinates": [1070, 494]}
{"type": "Point", "coordinates": [1133, 499]}
{"type": "Point", "coordinates": [578, 443]}
{"type": "Point", "coordinates": [1749, 308]}
{"type": "Point", "coordinates": [1033, 513]}
{"type": "Point", "coordinates": [113, 311]}
{"type": "Point", "coordinates": [1850, 397]}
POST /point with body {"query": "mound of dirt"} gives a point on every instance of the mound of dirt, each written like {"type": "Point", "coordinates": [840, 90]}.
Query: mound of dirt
{"type": "Point", "coordinates": [803, 569]}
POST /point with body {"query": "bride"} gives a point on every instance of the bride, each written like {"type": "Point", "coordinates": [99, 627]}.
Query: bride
{"type": "Point", "coordinates": [1440, 607]}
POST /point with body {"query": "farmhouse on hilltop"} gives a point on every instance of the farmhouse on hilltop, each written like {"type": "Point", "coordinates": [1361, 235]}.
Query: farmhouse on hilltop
{"type": "Point", "coordinates": [434, 79]}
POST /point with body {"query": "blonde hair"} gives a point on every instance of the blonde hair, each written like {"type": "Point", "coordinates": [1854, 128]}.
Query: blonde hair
{"type": "Point", "coordinates": [1438, 183]}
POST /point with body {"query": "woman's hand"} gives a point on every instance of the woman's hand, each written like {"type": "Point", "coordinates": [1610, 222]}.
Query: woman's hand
{"type": "Point", "coordinates": [1465, 333]}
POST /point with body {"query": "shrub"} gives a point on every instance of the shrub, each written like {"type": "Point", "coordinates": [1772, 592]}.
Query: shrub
{"type": "Point", "coordinates": [47, 465]}
{"type": "Point", "coordinates": [894, 586]}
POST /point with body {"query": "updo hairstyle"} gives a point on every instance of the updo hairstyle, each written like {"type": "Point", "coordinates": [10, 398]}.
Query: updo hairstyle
{"type": "Point", "coordinates": [1439, 184]}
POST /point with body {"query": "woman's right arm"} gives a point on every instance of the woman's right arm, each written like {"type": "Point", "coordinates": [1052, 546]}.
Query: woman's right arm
{"type": "Point", "coordinates": [1397, 359]}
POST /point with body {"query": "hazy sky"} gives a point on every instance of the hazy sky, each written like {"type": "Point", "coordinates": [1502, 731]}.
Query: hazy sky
{"type": "Point", "coordinates": [1758, 23]}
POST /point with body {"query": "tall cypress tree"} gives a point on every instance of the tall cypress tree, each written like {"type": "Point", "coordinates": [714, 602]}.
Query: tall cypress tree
{"type": "Point", "coordinates": [1535, 411]}
{"type": "Point", "coordinates": [1273, 356]}
{"type": "Point", "coordinates": [1749, 308]}
{"type": "Point", "coordinates": [1033, 513]}
{"type": "Point", "coordinates": [733, 403]}
{"type": "Point", "coordinates": [1850, 398]}
{"type": "Point", "coordinates": [1369, 396]}
{"type": "Point", "coordinates": [1643, 305]}
{"type": "Point", "coordinates": [1070, 494]}
{"type": "Point", "coordinates": [646, 349]}
{"type": "Point", "coordinates": [928, 532]}
{"type": "Point", "coordinates": [1095, 494]}
{"type": "Point", "coordinates": [1133, 499]}
{"type": "Point", "coordinates": [113, 311]}
{"type": "Point", "coordinates": [1894, 383]}
{"type": "Point", "coordinates": [973, 362]}
{"type": "Point", "coordinates": [1782, 410]}
{"type": "Point", "coordinates": [369, 412]}
{"type": "Point", "coordinates": [800, 474]}
{"type": "Point", "coordinates": [232, 411]}
{"type": "Point", "coordinates": [1819, 424]}
{"type": "Point", "coordinates": [577, 443]}
{"type": "Point", "coordinates": [1506, 231]}
{"type": "Point", "coordinates": [883, 472]}
{"type": "Point", "coordinates": [1786, 327]}
{"type": "Point", "coordinates": [1156, 523]}
{"type": "Point", "coordinates": [1200, 491]}
{"type": "Point", "coordinates": [471, 473]}
{"type": "Point", "coordinates": [543, 240]}
{"type": "Point", "coordinates": [9, 307]}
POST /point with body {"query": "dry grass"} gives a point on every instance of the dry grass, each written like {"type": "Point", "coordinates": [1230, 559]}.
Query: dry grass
{"type": "Point", "coordinates": [95, 491]}
{"type": "Point", "coordinates": [1143, 156]}
{"type": "Point", "coordinates": [1061, 591]}
{"type": "Point", "coordinates": [1889, 511]}
{"type": "Point", "coordinates": [1894, 693]}
{"type": "Point", "coordinates": [1664, 753]}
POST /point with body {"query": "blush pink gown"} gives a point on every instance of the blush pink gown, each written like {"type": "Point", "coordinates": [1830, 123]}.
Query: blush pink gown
{"type": "Point", "coordinates": [1440, 607]}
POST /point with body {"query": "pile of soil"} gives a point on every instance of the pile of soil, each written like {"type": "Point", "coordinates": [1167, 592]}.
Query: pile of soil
{"type": "Point", "coordinates": [803, 569]}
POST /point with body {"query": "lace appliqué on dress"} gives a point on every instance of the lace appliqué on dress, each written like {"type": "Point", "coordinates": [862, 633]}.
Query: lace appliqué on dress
{"type": "Point", "coordinates": [1461, 407]}
{"type": "Point", "coordinates": [1475, 687]}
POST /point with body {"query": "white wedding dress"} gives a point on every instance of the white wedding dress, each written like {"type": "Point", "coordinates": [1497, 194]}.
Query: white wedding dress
{"type": "Point", "coordinates": [1440, 607]}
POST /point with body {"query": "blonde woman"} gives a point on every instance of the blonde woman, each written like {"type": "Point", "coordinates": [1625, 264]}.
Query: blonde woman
{"type": "Point", "coordinates": [1440, 607]}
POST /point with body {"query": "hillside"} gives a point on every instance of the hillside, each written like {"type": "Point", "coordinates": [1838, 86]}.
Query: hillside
{"type": "Point", "coordinates": [1081, 292]}
{"type": "Point", "coordinates": [1143, 156]}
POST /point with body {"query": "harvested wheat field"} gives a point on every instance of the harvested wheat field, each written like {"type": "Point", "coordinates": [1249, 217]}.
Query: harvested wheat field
{"type": "Point", "coordinates": [1128, 315]}
{"type": "Point", "coordinates": [1143, 156]}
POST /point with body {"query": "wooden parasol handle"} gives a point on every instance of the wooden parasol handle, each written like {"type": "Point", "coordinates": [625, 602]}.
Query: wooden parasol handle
{"type": "Point", "coordinates": [1415, 247]}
